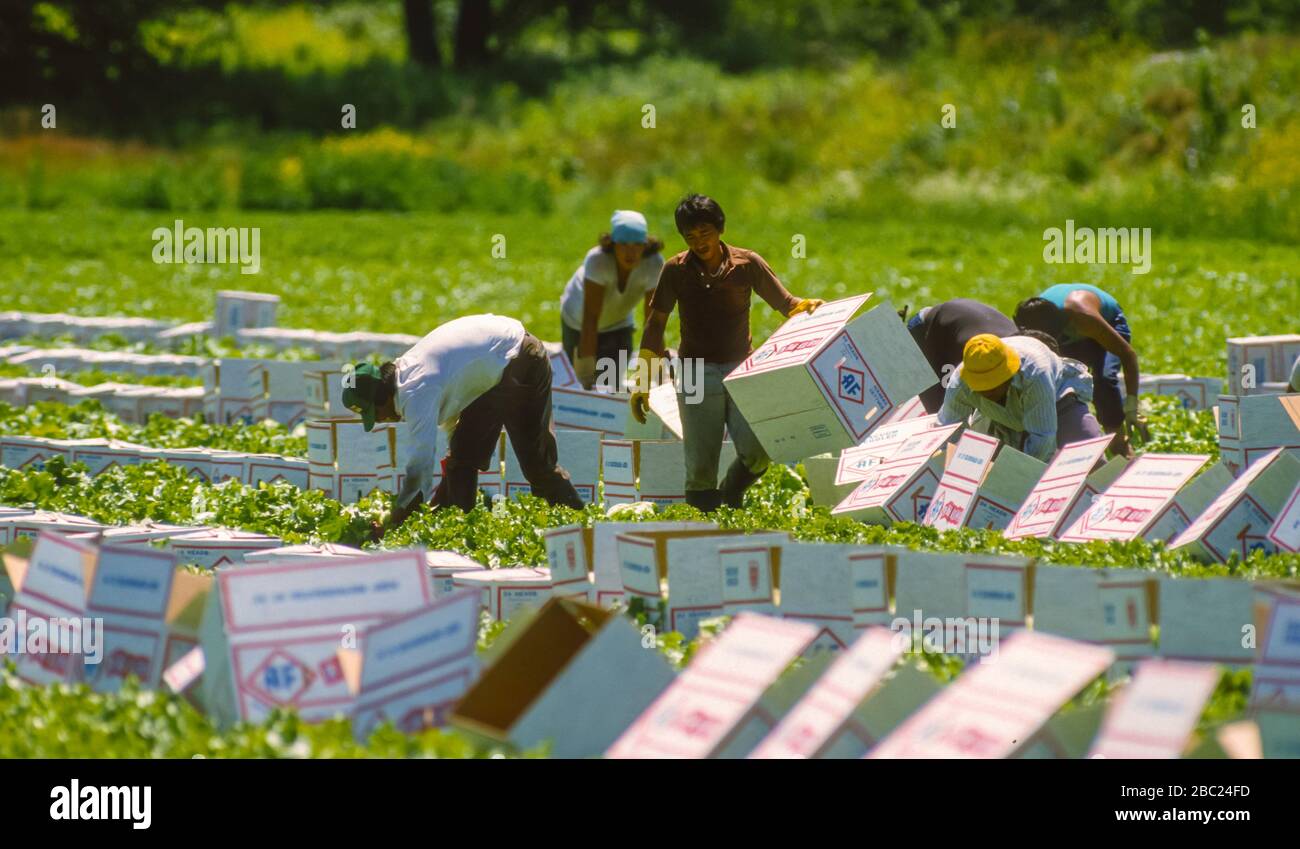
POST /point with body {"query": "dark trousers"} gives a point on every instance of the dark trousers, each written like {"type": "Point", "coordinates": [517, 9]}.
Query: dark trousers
{"type": "Point", "coordinates": [608, 344]}
{"type": "Point", "coordinates": [521, 403]}
{"type": "Point", "coordinates": [1107, 389]}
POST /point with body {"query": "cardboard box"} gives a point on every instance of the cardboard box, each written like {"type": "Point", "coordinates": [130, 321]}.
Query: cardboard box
{"type": "Point", "coordinates": [562, 373]}
{"type": "Point", "coordinates": [579, 455]}
{"type": "Point", "coordinates": [1115, 608]}
{"type": "Point", "coordinates": [27, 524]}
{"type": "Point", "coordinates": [1206, 619]}
{"type": "Point", "coordinates": [31, 453]}
{"type": "Point", "coordinates": [1067, 735]}
{"type": "Point", "coordinates": [1251, 426]}
{"type": "Point", "coordinates": [1057, 492]}
{"type": "Point", "coordinates": [576, 408]}
{"type": "Point", "coordinates": [820, 473]}
{"type": "Point", "coordinates": [234, 390]}
{"type": "Point", "coordinates": [354, 486]}
{"type": "Point", "coordinates": [197, 461]}
{"type": "Point", "coordinates": [212, 548]}
{"type": "Point", "coordinates": [661, 472]}
{"type": "Point", "coordinates": [323, 393]}
{"type": "Point", "coordinates": [900, 489]}
{"type": "Point", "coordinates": [618, 470]}
{"type": "Point", "coordinates": [1276, 681]}
{"type": "Point", "coordinates": [100, 455]}
{"type": "Point", "coordinates": [444, 566]}
{"type": "Point", "coordinates": [237, 310]}
{"type": "Point", "coordinates": [286, 388]}
{"type": "Point", "coordinates": [149, 609]}
{"type": "Point", "coordinates": [645, 560]}
{"type": "Point", "coordinates": [822, 381]}
{"type": "Point", "coordinates": [774, 705]}
{"type": "Point", "coordinates": [1094, 485]}
{"type": "Point", "coordinates": [814, 722]}
{"type": "Point", "coordinates": [664, 421]}
{"type": "Point", "coordinates": [1285, 532]}
{"type": "Point", "coordinates": [1194, 393]}
{"type": "Point", "coordinates": [995, 708]}
{"type": "Point", "coordinates": [505, 591]}
{"type": "Point", "coordinates": [173, 402]}
{"type": "Point", "coordinates": [722, 686]}
{"type": "Point", "coordinates": [1265, 359]}
{"type": "Point", "coordinates": [1138, 500]}
{"type": "Point", "coordinates": [143, 533]}
{"type": "Point", "coordinates": [325, 550]}
{"type": "Point", "coordinates": [271, 633]}
{"type": "Point", "coordinates": [272, 469]}
{"type": "Point", "coordinates": [880, 445]}
{"type": "Point", "coordinates": [968, 461]}
{"type": "Point", "coordinates": [842, 589]}
{"type": "Point", "coordinates": [1155, 715]}
{"type": "Point", "coordinates": [344, 443]}
{"type": "Point", "coordinates": [976, 599]}
{"type": "Point", "coordinates": [572, 679]}
{"type": "Point", "coordinates": [902, 693]}
{"type": "Point", "coordinates": [711, 574]}
{"type": "Point", "coordinates": [412, 668]}
{"type": "Point", "coordinates": [1004, 490]}
{"type": "Point", "coordinates": [1189, 503]}
{"type": "Point", "coordinates": [228, 466]}
{"type": "Point", "coordinates": [1238, 520]}
{"type": "Point", "coordinates": [574, 552]}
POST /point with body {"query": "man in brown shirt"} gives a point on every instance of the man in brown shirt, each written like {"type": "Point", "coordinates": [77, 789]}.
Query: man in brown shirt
{"type": "Point", "coordinates": [712, 282]}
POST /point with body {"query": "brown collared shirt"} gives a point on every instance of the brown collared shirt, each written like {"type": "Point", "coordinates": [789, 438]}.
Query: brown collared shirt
{"type": "Point", "coordinates": [715, 310]}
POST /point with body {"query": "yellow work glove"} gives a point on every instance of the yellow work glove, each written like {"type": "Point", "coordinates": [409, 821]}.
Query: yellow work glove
{"type": "Point", "coordinates": [1134, 422]}
{"type": "Point", "coordinates": [645, 371]}
{"type": "Point", "coordinates": [585, 369]}
{"type": "Point", "coordinates": [806, 305]}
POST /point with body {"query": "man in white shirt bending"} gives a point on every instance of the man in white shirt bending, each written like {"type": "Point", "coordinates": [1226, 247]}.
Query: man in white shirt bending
{"type": "Point", "coordinates": [470, 377]}
{"type": "Point", "coordinates": [1024, 394]}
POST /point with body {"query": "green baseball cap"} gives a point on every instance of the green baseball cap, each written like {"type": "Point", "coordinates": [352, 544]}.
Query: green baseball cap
{"type": "Point", "coordinates": [365, 394]}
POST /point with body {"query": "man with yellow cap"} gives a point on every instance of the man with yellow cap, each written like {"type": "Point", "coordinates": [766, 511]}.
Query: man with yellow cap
{"type": "Point", "coordinates": [1022, 393]}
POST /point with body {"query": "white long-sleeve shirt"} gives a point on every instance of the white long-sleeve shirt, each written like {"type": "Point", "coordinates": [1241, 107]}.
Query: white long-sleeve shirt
{"type": "Point", "coordinates": [443, 374]}
{"type": "Point", "coordinates": [1030, 404]}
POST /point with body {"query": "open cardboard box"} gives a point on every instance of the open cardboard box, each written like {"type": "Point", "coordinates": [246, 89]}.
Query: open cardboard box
{"type": "Point", "coordinates": [575, 675]}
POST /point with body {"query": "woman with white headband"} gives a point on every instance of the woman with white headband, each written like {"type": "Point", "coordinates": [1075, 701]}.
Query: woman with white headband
{"type": "Point", "coordinates": [597, 307]}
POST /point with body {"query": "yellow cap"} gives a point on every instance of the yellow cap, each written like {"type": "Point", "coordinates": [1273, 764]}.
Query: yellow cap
{"type": "Point", "coordinates": [987, 362]}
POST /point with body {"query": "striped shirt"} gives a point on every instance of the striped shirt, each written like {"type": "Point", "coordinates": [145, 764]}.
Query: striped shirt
{"type": "Point", "coordinates": [1030, 404]}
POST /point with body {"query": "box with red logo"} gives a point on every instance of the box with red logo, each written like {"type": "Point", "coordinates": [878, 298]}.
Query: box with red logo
{"type": "Point", "coordinates": [900, 488]}
{"type": "Point", "coordinates": [1251, 426]}
{"type": "Point", "coordinates": [823, 380]}
{"type": "Point", "coordinates": [698, 715]}
{"type": "Point", "coordinates": [1138, 500]}
{"type": "Point", "coordinates": [17, 524]}
{"type": "Point", "coordinates": [271, 632]}
{"type": "Point", "coordinates": [1057, 492]}
{"type": "Point", "coordinates": [576, 553]}
{"type": "Point", "coordinates": [988, 595]}
{"type": "Point", "coordinates": [1194, 393]}
{"type": "Point", "coordinates": [443, 568]}
{"type": "Point", "coordinates": [579, 456]}
{"type": "Point", "coordinates": [1238, 520]}
{"type": "Point", "coordinates": [1285, 532]}
{"type": "Point", "coordinates": [1109, 607]}
{"type": "Point", "coordinates": [149, 610]}
{"type": "Point", "coordinates": [503, 592]}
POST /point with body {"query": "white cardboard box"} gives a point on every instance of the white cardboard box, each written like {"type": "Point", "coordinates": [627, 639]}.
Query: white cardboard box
{"type": "Point", "coordinates": [1250, 426]}
{"type": "Point", "coordinates": [1155, 715]}
{"type": "Point", "coordinates": [412, 668]}
{"type": "Point", "coordinates": [505, 591]}
{"type": "Point", "coordinates": [814, 722]}
{"type": "Point", "coordinates": [881, 444]}
{"type": "Point", "coordinates": [212, 548]}
{"type": "Point", "coordinates": [31, 453]}
{"type": "Point", "coordinates": [1109, 607]}
{"type": "Point", "coordinates": [1206, 619]}
{"type": "Point", "coordinates": [717, 574]}
{"type": "Point", "coordinates": [618, 471]}
{"type": "Point", "coordinates": [1006, 486]}
{"type": "Point", "coordinates": [1137, 500]}
{"type": "Point", "coordinates": [995, 708]}
{"type": "Point", "coordinates": [272, 469]}
{"type": "Point", "coordinates": [575, 551]}
{"type": "Point", "coordinates": [842, 589]}
{"type": "Point", "coordinates": [1238, 520]}
{"type": "Point", "coordinates": [1276, 682]}
{"type": "Point", "coordinates": [579, 455]}
{"type": "Point", "coordinates": [271, 632]}
{"type": "Point", "coordinates": [574, 678]}
{"type": "Point", "coordinates": [1265, 359]}
{"type": "Point", "coordinates": [822, 381]}
{"type": "Point", "coordinates": [238, 310]}
{"type": "Point", "coordinates": [444, 566]}
{"type": "Point", "coordinates": [900, 489]}
{"type": "Point", "coordinates": [27, 524]}
{"type": "Point", "coordinates": [1194, 393]}
{"type": "Point", "coordinates": [983, 597]}
{"type": "Point", "coordinates": [722, 686]}
{"type": "Point", "coordinates": [1285, 533]}
{"type": "Point", "coordinates": [577, 408]}
{"type": "Point", "coordinates": [295, 553]}
{"type": "Point", "coordinates": [1057, 492]}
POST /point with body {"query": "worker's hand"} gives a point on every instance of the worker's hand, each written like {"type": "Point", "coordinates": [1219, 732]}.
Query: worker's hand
{"type": "Point", "coordinates": [585, 369]}
{"type": "Point", "coordinates": [807, 305]}
{"type": "Point", "coordinates": [640, 403]}
{"type": "Point", "coordinates": [646, 370]}
{"type": "Point", "coordinates": [1135, 424]}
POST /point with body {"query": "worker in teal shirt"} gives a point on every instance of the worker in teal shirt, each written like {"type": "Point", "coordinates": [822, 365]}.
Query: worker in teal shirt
{"type": "Point", "coordinates": [1089, 325]}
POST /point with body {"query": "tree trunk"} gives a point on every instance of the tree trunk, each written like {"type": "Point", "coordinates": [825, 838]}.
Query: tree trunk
{"type": "Point", "coordinates": [421, 40]}
{"type": "Point", "coordinates": [473, 26]}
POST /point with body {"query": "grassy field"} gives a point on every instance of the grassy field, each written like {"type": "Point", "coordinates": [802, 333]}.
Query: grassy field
{"type": "Point", "coordinates": [409, 272]}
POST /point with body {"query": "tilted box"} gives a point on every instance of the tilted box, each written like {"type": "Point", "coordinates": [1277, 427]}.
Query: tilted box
{"type": "Point", "coordinates": [823, 380]}
{"type": "Point", "coordinates": [1137, 502]}
{"type": "Point", "coordinates": [1058, 491]}
{"type": "Point", "coordinates": [1251, 426]}
{"type": "Point", "coordinates": [900, 489]}
{"type": "Point", "coordinates": [1238, 520]}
